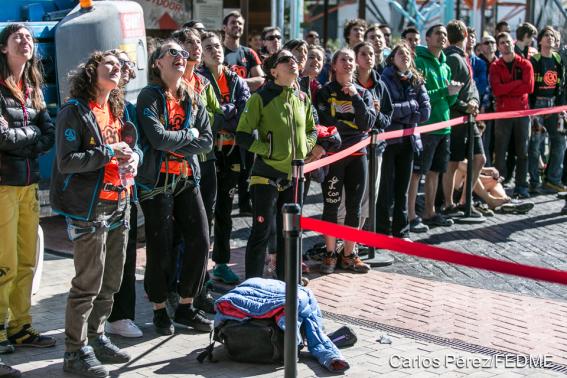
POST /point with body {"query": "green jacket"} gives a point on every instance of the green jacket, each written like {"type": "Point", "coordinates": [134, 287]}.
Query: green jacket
{"type": "Point", "coordinates": [286, 130]}
{"type": "Point", "coordinates": [437, 74]}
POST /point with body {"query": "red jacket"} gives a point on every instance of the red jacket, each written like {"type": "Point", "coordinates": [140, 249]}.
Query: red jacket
{"type": "Point", "coordinates": [511, 89]}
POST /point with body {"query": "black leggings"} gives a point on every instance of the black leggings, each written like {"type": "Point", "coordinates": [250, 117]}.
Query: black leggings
{"type": "Point", "coordinates": [397, 162]}
{"type": "Point", "coordinates": [352, 173]}
{"type": "Point", "coordinates": [267, 203]}
{"type": "Point", "coordinates": [185, 205]}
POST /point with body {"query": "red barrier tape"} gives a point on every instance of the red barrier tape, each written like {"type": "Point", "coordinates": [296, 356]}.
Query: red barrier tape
{"type": "Point", "coordinates": [428, 128]}
{"type": "Point", "coordinates": [520, 113]}
{"type": "Point", "coordinates": [335, 157]}
{"type": "Point", "coordinates": [433, 253]}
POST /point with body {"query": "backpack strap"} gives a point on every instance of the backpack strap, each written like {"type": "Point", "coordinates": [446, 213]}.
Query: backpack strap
{"type": "Point", "coordinates": [208, 351]}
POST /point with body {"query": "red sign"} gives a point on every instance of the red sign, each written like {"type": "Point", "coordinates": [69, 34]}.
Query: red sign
{"type": "Point", "coordinates": [132, 25]}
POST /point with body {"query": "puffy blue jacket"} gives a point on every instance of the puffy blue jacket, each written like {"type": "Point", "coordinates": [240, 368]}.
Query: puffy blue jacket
{"type": "Point", "coordinates": [258, 296]}
{"type": "Point", "coordinates": [411, 105]}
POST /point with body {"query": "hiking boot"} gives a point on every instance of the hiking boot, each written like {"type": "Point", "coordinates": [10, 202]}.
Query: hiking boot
{"type": "Point", "coordinates": [85, 363]}
{"type": "Point", "coordinates": [223, 273]}
{"type": "Point", "coordinates": [8, 371]}
{"type": "Point", "coordinates": [484, 209]}
{"type": "Point", "coordinates": [108, 353]}
{"type": "Point", "coordinates": [29, 337]}
{"type": "Point", "coordinates": [474, 212]}
{"type": "Point", "coordinates": [204, 301]}
{"type": "Point", "coordinates": [354, 263]}
{"type": "Point", "coordinates": [329, 263]}
{"type": "Point", "coordinates": [553, 187]}
{"type": "Point", "coordinates": [438, 220]}
{"type": "Point", "coordinates": [162, 322]}
{"type": "Point", "coordinates": [124, 328]}
{"type": "Point", "coordinates": [193, 318]}
{"type": "Point", "coordinates": [453, 211]}
{"type": "Point", "coordinates": [5, 345]}
{"type": "Point", "coordinates": [417, 226]}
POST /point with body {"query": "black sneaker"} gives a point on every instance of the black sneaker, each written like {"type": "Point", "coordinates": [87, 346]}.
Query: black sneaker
{"type": "Point", "coordinates": [195, 319]}
{"type": "Point", "coordinates": [438, 220]}
{"type": "Point", "coordinates": [108, 353]}
{"type": "Point", "coordinates": [85, 363]}
{"type": "Point", "coordinates": [205, 301]}
{"type": "Point", "coordinates": [29, 337]}
{"type": "Point", "coordinates": [453, 211]}
{"type": "Point", "coordinates": [8, 371]}
{"type": "Point", "coordinates": [417, 226]}
{"type": "Point", "coordinates": [162, 322]}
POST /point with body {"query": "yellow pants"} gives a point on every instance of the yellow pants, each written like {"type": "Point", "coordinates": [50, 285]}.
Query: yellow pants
{"type": "Point", "coordinates": [19, 219]}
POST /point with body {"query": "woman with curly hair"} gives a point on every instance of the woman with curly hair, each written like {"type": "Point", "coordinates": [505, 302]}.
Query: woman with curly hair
{"type": "Point", "coordinates": [174, 129]}
{"type": "Point", "coordinates": [87, 188]}
{"type": "Point", "coordinates": [26, 131]}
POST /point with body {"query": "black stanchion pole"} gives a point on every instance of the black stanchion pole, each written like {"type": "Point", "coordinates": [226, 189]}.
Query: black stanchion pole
{"type": "Point", "coordinates": [298, 178]}
{"type": "Point", "coordinates": [468, 218]}
{"type": "Point", "coordinates": [372, 259]}
{"type": "Point", "coordinates": [291, 232]}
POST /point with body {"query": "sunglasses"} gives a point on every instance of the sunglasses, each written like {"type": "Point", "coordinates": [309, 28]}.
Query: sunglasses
{"type": "Point", "coordinates": [312, 36]}
{"type": "Point", "coordinates": [285, 59]}
{"type": "Point", "coordinates": [489, 42]}
{"type": "Point", "coordinates": [273, 37]}
{"type": "Point", "coordinates": [126, 64]}
{"type": "Point", "coordinates": [174, 52]}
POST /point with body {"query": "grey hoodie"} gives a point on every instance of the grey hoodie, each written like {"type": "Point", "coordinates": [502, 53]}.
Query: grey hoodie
{"type": "Point", "coordinates": [461, 72]}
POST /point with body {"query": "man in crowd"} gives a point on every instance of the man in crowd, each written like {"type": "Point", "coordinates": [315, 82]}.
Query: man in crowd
{"type": "Point", "coordinates": [548, 73]}
{"type": "Point", "coordinates": [271, 41]}
{"type": "Point", "coordinates": [411, 36]}
{"type": "Point", "coordinates": [312, 38]}
{"type": "Point", "coordinates": [246, 63]}
{"type": "Point", "coordinates": [512, 80]}
{"type": "Point", "coordinates": [375, 36]}
{"type": "Point", "coordinates": [431, 62]}
{"type": "Point", "coordinates": [387, 34]}
{"type": "Point", "coordinates": [524, 38]}
{"type": "Point", "coordinates": [354, 32]}
{"type": "Point", "coordinates": [467, 103]}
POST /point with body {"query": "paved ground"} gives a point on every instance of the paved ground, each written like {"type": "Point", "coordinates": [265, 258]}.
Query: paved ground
{"type": "Point", "coordinates": [174, 356]}
{"type": "Point", "coordinates": [428, 309]}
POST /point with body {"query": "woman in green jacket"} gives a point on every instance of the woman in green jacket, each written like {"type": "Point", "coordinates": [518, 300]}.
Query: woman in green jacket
{"type": "Point", "coordinates": [283, 120]}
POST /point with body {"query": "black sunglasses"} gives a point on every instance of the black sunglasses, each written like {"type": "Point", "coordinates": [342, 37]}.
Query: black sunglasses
{"type": "Point", "coordinates": [273, 37]}
{"type": "Point", "coordinates": [489, 42]}
{"type": "Point", "coordinates": [174, 52]}
{"type": "Point", "coordinates": [126, 64]}
{"type": "Point", "coordinates": [285, 59]}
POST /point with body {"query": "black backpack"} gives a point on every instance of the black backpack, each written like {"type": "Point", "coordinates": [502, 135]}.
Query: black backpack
{"type": "Point", "coordinates": [253, 340]}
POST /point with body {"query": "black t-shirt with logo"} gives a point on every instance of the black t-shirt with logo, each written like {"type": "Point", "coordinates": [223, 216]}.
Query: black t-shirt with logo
{"type": "Point", "coordinates": [241, 61]}
{"type": "Point", "coordinates": [546, 77]}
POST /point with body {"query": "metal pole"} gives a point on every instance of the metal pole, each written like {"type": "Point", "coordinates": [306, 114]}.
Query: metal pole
{"type": "Point", "coordinates": [298, 178]}
{"type": "Point", "coordinates": [382, 259]}
{"type": "Point", "coordinates": [372, 167]}
{"type": "Point", "coordinates": [291, 232]}
{"type": "Point", "coordinates": [468, 218]}
{"type": "Point", "coordinates": [362, 9]}
{"type": "Point", "coordinates": [280, 16]}
{"type": "Point", "coordinates": [470, 157]}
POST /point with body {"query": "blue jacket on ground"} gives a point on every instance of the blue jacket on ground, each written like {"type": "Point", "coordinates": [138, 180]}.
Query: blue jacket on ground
{"type": "Point", "coordinates": [258, 296]}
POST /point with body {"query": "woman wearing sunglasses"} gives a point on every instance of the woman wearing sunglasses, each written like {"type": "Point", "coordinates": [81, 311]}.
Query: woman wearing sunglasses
{"type": "Point", "coordinates": [282, 117]}
{"type": "Point", "coordinates": [174, 128]}
{"type": "Point", "coordinates": [26, 132]}
{"type": "Point", "coordinates": [86, 187]}
{"type": "Point", "coordinates": [350, 108]}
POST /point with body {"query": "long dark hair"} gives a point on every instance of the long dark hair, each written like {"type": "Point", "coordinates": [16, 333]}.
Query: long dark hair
{"type": "Point", "coordinates": [83, 83]}
{"type": "Point", "coordinates": [416, 78]}
{"type": "Point", "coordinates": [33, 71]}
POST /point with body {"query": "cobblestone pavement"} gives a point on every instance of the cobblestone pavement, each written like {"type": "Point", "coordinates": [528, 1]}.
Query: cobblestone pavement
{"type": "Point", "coordinates": [174, 356]}
{"type": "Point", "coordinates": [538, 238]}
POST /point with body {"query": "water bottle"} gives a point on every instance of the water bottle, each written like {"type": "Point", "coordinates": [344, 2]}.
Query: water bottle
{"type": "Point", "coordinates": [126, 177]}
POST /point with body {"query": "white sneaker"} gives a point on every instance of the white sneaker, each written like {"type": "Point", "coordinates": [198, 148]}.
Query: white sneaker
{"type": "Point", "coordinates": [124, 328]}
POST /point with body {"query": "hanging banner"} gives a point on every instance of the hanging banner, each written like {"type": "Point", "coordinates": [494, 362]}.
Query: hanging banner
{"type": "Point", "coordinates": [209, 12]}
{"type": "Point", "coordinates": [166, 14]}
